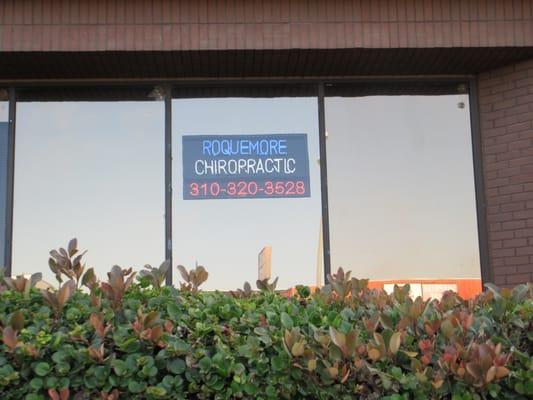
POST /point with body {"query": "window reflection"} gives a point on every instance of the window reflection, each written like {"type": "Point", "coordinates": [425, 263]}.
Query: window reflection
{"type": "Point", "coordinates": [91, 170]}
{"type": "Point", "coordinates": [4, 111]}
{"type": "Point", "coordinates": [401, 187]}
{"type": "Point", "coordinates": [226, 236]}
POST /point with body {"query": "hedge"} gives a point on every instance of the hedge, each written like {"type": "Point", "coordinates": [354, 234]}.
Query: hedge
{"type": "Point", "coordinates": [130, 337]}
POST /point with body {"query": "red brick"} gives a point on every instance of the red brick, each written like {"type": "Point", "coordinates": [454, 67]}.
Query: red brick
{"type": "Point", "coordinates": [491, 183]}
{"type": "Point", "coordinates": [524, 251]}
{"type": "Point", "coordinates": [525, 268]}
{"type": "Point", "coordinates": [496, 244]}
{"type": "Point", "coordinates": [518, 278]}
{"type": "Point", "coordinates": [504, 271]}
{"type": "Point", "coordinates": [500, 199]}
{"type": "Point", "coordinates": [517, 109]}
{"type": "Point", "coordinates": [501, 85]}
{"type": "Point", "coordinates": [519, 144]}
{"type": "Point", "coordinates": [522, 196]}
{"type": "Point", "coordinates": [511, 189]}
{"type": "Point", "coordinates": [521, 179]}
{"type": "Point", "coordinates": [508, 137]}
{"type": "Point", "coordinates": [506, 172]}
{"type": "Point", "coordinates": [517, 260]}
{"type": "Point", "coordinates": [495, 149]}
{"type": "Point", "coordinates": [500, 217]}
{"type": "Point", "coordinates": [513, 225]}
{"type": "Point", "coordinates": [503, 252]}
{"type": "Point", "coordinates": [496, 166]}
{"type": "Point", "coordinates": [525, 82]}
{"type": "Point", "coordinates": [495, 227]}
{"type": "Point", "coordinates": [527, 98]}
{"type": "Point", "coordinates": [521, 161]}
{"type": "Point", "coordinates": [502, 235]}
{"type": "Point", "coordinates": [519, 126]}
{"type": "Point", "coordinates": [512, 206]}
{"type": "Point", "coordinates": [515, 243]}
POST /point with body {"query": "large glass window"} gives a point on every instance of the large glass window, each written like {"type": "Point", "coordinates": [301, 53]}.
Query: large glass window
{"type": "Point", "coordinates": [91, 170]}
{"type": "Point", "coordinates": [227, 235]}
{"type": "Point", "coordinates": [401, 187]}
{"type": "Point", "coordinates": [4, 148]}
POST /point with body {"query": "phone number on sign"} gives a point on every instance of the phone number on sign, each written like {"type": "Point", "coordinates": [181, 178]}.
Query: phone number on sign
{"type": "Point", "coordinates": [247, 189]}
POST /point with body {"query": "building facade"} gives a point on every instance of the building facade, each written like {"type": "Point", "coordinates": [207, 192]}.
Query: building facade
{"type": "Point", "coordinates": [171, 51]}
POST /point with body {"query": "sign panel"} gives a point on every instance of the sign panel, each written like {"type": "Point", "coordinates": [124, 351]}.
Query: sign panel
{"type": "Point", "coordinates": [245, 166]}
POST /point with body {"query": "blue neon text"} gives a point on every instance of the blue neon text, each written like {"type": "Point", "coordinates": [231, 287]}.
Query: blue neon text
{"type": "Point", "coordinates": [231, 147]}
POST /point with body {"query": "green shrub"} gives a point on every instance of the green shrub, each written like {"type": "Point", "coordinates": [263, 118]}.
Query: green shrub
{"type": "Point", "coordinates": [127, 340]}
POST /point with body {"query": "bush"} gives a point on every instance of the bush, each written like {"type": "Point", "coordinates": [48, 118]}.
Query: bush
{"type": "Point", "coordinates": [141, 340]}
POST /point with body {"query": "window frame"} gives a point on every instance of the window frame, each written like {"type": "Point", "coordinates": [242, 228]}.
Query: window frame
{"type": "Point", "coordinates": [24, 93]}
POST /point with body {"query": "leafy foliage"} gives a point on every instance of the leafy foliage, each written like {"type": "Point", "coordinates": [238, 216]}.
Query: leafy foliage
{"type": "Point", "coordinates": [119, 280]}
{"type": "Point", "coordinates": [67, 262]}
{"type": "Point", "coordinates": [264, 286]}
{"type": "Point", "coordinates": [344, 341]}
{"type": "Point", "coordinates": [57, 300]}
{"type": "Point", "coordinates": [193, 278]}
{"type": "Point", "coordinates": [245, 292]}
{"type": "Point", "coordinates": [20, 283]}
{"type": "Point", "coordinates": [154, 276]}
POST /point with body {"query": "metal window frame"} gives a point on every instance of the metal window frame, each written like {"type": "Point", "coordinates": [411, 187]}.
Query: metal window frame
{"type": "Point", "coordinates": [479, 183]}
{"type": "Point", "coordinates": [168, 183]}
{"type": "Point", "coordinates": [8, 254]}
{"type": "Point", "coordinates": [326, 246]}
{"type": "Point", "coordinates": [319, 84]}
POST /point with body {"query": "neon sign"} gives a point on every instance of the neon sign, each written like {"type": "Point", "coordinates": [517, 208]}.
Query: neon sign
{"type": "Point", "coordinates": [245, 166]}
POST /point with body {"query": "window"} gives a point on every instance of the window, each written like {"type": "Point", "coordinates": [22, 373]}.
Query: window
{"type": "Point", "coordinates": [401, 187]}
{"type": "Point", "coordinates": [400, 183]}
{"type": "Point", "coordinates": [91, 170]}
{"type": "Point", "coordinates": [227, 235]}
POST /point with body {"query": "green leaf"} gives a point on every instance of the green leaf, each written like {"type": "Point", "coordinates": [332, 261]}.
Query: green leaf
{"type": "Point", "coordinates": [42, 369]}
{"type": "Point", "coordinates": [176, 366]}
{"type": "Point", "coordinates": [156, 391]}
{"type": "Point", "coordinates": [286, 320]}
{"type": "Point", "coordinates": [271, 392]}
{"type": "Point", "coordinates": [519, 387]}
{"type": "Point", "coordinates": [529, 387]}
{"type": "Point", "coordinates": [205, 363]}
{"type": "Point", "coordinates": [250, 389]}
{"type": "Point", "coordinates": [63, 368]}
{"type": "Point", "coordinates": [51, 382]}
{"type": "Point", "coordinates": [59, 357]}
{"type": "Point", "coordinates": [278, 363]}
{"type": "Point", "coordinates": [34, 396]}
{"type": "Point", "coordinates": [130, 345]}
{"type": "Point", "coordinates": [36, 383]}
{"type": "Point", "coordinates": [136, 387]}
{"type": "Point", "coordinates": [120, 367]}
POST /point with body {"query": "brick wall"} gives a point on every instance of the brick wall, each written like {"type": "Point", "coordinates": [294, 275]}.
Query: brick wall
{"type": "Point", "coordinates": [100, 25]}
{"type": "Point", "coordinates": [506, 117]}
